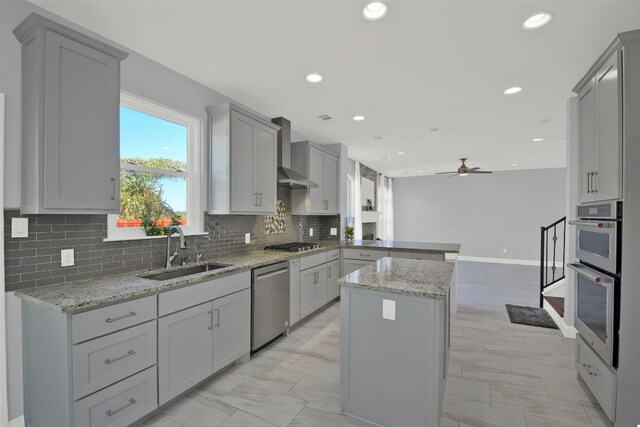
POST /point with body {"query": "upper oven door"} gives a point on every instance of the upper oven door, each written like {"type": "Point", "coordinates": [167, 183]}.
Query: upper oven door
{"type": "Point", "coordinates": [596, 243]}
{"type": "Point", "coordinates": [595, 308]}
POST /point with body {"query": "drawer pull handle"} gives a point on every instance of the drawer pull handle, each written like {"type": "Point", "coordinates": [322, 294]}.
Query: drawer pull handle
{"type": "Point", "coordinates": [125, 406]}
{"type": "Point", "coordinates": [115, 359]}
{"type": "Point", "coordinates": [365, 254]}
{"type": "Point", "coordinates": [113, 319]}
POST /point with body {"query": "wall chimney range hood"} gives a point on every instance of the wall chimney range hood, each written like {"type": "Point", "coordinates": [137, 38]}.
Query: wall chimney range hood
{"type": "Point", "coordinates": [287, 177]}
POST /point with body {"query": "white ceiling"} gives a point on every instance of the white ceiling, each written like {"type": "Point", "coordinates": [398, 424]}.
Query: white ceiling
{"type": "Point", "coordinates": [427, 64]}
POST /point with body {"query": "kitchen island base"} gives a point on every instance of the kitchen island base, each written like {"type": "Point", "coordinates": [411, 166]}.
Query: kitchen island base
{"type": "Point", "coordinates": [393, 372]}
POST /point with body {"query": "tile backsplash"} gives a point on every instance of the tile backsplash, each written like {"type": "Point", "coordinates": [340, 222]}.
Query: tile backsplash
{"type": "Point", "coordinates": [35, 261]}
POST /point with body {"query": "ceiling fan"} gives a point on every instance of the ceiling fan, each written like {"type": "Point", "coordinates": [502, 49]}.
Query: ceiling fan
{"type": "Point", "coordinates": [464, 170]}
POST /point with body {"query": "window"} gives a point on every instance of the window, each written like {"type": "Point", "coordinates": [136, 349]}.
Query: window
{"type": "Point", "coordinates": [159, 170]}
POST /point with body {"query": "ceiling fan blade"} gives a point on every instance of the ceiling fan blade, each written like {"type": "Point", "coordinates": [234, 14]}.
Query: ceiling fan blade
{"type": "Point", "coordinates": [476, 171]}
{"type": "Point", "coordinates": [444, 173]}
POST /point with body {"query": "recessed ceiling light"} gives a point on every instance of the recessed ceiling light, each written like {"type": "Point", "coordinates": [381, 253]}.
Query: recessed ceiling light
{"type": "Point", "coordinates": [401, 152]}
{"type": "Point", "coordinates": [358, 118]}
{"type": "Point", "coordinates": [434, 129]}
{"type": "Point", "coordinates": [514, 164]}
{"type": "Point", "coordinates": [538, 139]}
{"type": "Point", "coordinates": [513, 90]}
{"type": "Point", "coordinates": [374, 11]}
{"type": "Point", "coordinates": [314, 78]}
{"type": "Point", "coordinates": [377, 137]}
{"type": "Point", "coordinates": [419, 171]}
{"type": "Point", "coordinates": [536, 21]}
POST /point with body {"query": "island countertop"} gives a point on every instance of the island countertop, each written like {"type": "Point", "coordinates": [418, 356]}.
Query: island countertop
{"type": "Point", "coordinates": [422, 278]}
{"type": "Point", "coordinates": [403, 246]}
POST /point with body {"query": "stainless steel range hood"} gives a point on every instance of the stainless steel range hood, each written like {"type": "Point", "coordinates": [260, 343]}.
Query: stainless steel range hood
{"type": "Point", "coordinates": [287, 177]}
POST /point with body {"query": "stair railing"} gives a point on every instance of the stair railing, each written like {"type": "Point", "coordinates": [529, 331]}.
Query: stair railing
{"type": "Point", "coordinates": [552, 254]}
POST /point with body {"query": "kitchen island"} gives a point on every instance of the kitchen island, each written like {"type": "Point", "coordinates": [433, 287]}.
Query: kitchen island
{"type": "Point", "coordinates": [395, 341]}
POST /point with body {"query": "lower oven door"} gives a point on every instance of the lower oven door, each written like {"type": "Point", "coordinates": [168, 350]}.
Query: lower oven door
{"type": "Point", "coordinates": [595, 309]}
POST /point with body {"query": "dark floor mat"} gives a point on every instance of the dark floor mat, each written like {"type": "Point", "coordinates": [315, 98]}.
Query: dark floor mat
{"type": "Point", "coordinates": [533, 316]}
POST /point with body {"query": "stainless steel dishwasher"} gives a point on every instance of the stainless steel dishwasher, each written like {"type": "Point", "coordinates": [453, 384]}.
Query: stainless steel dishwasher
{"type": "Point", "coordinates": [269, 303]}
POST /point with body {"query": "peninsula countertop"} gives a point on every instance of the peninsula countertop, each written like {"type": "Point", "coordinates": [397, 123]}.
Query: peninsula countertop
{"type": "Point", "coordinates": [422, 278]}
{"type": "Point", "coordinates": [92, 293]}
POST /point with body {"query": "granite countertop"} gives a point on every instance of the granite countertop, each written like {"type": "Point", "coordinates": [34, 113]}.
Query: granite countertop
{"type": "Point", "coordinates": [404, 246]}
{"type": "Point", "coordinates": [88, 294]}
{"type": "Point", "coordinates": [421, 278]}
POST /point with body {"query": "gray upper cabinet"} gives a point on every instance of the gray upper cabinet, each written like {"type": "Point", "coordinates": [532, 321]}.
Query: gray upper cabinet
{"type": "Point", "coordinates": [71, 120]}
{"type": "Point", "coordinates": [321, 167]}
{"type": "Point", "coordinates": [600, 139]}
{"type": "Point", "coordinates": [243, 162]}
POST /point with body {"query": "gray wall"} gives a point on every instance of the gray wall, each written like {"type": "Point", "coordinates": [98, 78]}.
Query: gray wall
{"type": "Point", "coordinates": [485, 213]}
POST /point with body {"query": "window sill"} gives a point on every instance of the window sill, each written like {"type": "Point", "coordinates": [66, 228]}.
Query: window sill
{"type": "Point", "coordinates": [125, 239]}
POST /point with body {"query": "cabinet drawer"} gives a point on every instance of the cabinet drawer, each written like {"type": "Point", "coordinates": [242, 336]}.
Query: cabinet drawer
{"type": "Point", "coordinates": [121, 404]}
{"type": "Point", "coordinates": [364, 254]}
{"type": "Point", "coordinates": [189, 296]}
{"type": "Point", "coordinates": [432, 256]}
{"type": "Point", "coordinates": [333, 255]}
{"type": "Point", "coordinates": [313, 260]}
{"type": "Point", "coordinates": [104, 361]}
{"type": "Point", "coordinates": [601, 380]}
{"type": "Point", "coordinates": [94, 323]}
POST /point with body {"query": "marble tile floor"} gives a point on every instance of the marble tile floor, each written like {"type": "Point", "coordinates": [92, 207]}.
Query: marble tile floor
{"type": "Point", "coordinates": [500, 374]}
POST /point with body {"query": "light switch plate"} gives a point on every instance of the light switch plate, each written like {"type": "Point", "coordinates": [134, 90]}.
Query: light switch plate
{"type": "Point", "coordinates": [66, 257]}
{"type": "Point", "coordinates": [19, 228]}
{"type": "Point", "coordinates": [310, 232]}
{"type": "Point", "coordinates": [388, 309]}
{"type": "Point", "coordinates": [333, 231]}
{"type": "Point", "coordinates": [247, 238]}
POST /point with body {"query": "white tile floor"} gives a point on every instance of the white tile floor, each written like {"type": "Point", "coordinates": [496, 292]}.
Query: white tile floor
{"type": "Point", "coordinates": [500, 374]}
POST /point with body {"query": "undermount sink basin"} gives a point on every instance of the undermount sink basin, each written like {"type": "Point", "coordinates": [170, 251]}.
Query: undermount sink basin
{"type": "Point", "coordinates": [166, 275]}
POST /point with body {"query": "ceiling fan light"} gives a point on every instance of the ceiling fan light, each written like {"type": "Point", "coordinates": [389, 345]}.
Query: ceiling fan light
{"type": "Point", "coordinates": [463, 173]}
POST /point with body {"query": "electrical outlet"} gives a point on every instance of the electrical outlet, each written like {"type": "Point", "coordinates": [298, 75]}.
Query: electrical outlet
{"type": "Point", "coordinates": [310, 232]}
{"type": "Point", "coordinates": [19, 228]}
{"type": "Point", "coordinates": [66, 257]}
{"type": "Point", "coordinates": [247, 238]}
{"type": "Point", "coordinates": [388, 309]}
{"type": "Point", "coordinates": [333, 231]}
{"type": "Point", "coordinates": [504, 251]}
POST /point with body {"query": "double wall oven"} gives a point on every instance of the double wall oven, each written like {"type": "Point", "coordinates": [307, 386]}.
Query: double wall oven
{"type": "Point", "coordinates": [598, 247]}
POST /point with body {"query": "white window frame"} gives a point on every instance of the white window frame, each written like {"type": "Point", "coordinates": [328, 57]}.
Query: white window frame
{"type": "Point", "coordinates": [194, 169]}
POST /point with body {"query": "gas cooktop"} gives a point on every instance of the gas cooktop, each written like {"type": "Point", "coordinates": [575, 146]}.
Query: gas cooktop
{"type": "Point", "coordinates": [292, 247]}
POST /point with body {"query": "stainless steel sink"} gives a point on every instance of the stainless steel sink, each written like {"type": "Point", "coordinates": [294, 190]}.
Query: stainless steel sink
{"type": "Point", "coordinates": [166, 275]}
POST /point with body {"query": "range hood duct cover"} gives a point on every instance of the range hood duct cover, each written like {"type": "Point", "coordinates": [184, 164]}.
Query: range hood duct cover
{"type": "Point", "coordinates": [287, 177]}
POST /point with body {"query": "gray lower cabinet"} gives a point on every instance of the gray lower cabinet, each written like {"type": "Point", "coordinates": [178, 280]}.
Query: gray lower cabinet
{"type": "Point", "coordinates": [70, 137]}
{"type": "Point", "coordinates": [333, 274]}
{"type": "Point", "coordinates": [351, 265]}
{"type": "Point", "coordinates": [307, 292]}
{"type": "Point", "coordinates": [185, 350]}
{"type": "Point", "coordinates": [231, 328]}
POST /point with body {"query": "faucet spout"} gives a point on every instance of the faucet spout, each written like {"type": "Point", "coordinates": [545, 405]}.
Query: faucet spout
{"type": "Point", "coordinates": [183, 244]}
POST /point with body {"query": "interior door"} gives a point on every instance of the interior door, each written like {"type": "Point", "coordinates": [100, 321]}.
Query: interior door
{"type": "Point", "coordinates": [331, 183]}
{"type": "Point", "coordinates": [587, 140]}
{"type": "Point", "coordinates": [265, 178]}
{"type": "Point", "coordinates": [185, 350]}
{"type": "Point", "coordinates": [243, 195]}
{"type": "Point", "coordinates": [608, 180]}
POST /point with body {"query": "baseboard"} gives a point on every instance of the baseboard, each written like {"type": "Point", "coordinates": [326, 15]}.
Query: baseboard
{"type": "Point", "coordinates": [17, 422]}
{"type": "Point", "coordinates": [499, 260]}
{"type": "Point", "coordinates": [567, 330]}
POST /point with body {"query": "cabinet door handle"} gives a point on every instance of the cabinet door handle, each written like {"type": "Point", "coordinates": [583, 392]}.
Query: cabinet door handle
{"type": "Point", "coordinates": [595, 182]}
{"type": "Point", "coordinates": [367, 255]}
{"type": "Point", "coordinates": [124, 316]}
{"type": "Point", "coordinates": [260, 202]}
{"type": "Point", "coordinates": [125, 406]}
{"type": "Point", "coordinates": [115, 359]}
{"type": "Point", "coordinates": [114, 181]}
{"type": "Point", "coordinates": [210, 320]}
{"type": "Point", "coordinates": [217, 317]}
{"type": "Point", "coordinates": [329, 272]}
